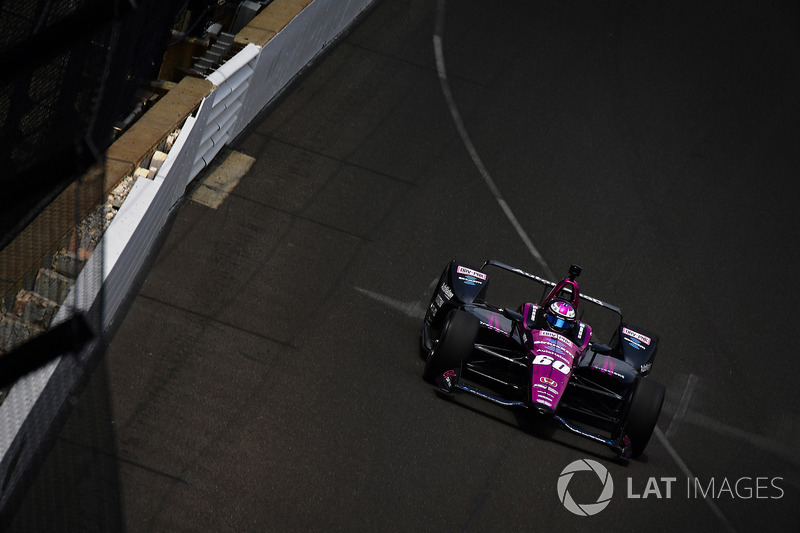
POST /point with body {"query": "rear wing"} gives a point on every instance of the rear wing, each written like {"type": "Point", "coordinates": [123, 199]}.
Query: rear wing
{"type": "Point", "coordinates": [515, 270]}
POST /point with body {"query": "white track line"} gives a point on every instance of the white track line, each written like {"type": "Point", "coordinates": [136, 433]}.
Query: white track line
{"type": "Point", "coordinates": [462, 131]}
{"type": "Point", "coordinates": [688, 473]}
{"type": "Point", "coordinates": [410, 309]}
{"type": "Point", "coordinates": [682, 406]}
{"type": "Point", "coordinates": [465, 139]}
{"type": "Point", "coordinates": [783, 450]}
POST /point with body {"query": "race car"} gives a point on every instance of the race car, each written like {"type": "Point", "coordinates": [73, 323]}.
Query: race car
{"type": "Point", "coordinates": [542, 357]}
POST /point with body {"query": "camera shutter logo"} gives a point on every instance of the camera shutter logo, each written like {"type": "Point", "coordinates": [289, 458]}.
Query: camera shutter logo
{"type": "Point", "coordinates": [586, 509]}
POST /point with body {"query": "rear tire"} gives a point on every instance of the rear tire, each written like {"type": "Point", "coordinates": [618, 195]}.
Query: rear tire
{"type": "Point", "coordinates": [645, 407]}
{"type": "Point", "coordinates": [455, 343]}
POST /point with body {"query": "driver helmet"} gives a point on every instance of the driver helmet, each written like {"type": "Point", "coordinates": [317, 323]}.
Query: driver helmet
{"type": "Point", "coordinates": [560, 315]}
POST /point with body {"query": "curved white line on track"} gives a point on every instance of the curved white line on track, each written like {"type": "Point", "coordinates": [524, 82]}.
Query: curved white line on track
{"type": "Point", "coordinates": [682, 407]}
{"type": "Point", "coordinates": [688, 473]}
{"type": "Point", "coordinates": [473, 153]}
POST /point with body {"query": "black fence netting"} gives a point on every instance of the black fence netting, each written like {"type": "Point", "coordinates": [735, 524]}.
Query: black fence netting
{"type": "Point", "coordinates": [70, 73]}
{"type": "Point", "coordinates": [71, 69]}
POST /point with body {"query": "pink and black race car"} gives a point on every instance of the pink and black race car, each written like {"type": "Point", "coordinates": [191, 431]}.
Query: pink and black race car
{"type": "Point", "coordinates": [543, 358]}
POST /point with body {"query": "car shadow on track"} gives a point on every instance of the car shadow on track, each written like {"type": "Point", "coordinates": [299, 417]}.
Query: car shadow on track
{"type": "Point", "coordinates": [540, 428]}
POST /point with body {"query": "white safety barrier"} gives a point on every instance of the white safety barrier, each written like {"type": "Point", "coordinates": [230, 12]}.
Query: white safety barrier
{"type": "Point", "coordinates": [244, 86]}
{"type": "Point", "coordinates": [225, 104]}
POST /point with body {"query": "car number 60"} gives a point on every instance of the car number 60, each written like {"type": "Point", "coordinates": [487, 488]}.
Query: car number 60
{"type": "Point", "coordinates": [561, 366]}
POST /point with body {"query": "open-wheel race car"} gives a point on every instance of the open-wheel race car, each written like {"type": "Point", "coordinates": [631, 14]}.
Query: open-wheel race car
{"type": "Point", "coordinates": [542, 357]}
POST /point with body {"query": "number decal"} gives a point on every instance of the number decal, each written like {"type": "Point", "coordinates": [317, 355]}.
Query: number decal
{"type": "Point", "coordinates": [561, 366]}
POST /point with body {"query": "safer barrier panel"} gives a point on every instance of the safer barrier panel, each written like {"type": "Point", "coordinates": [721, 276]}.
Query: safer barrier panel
{"type": "Point", "coordinates": [232, 81]}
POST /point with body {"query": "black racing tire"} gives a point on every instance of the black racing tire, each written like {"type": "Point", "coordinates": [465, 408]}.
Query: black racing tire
{"type": "Point", "coordinates": [643, 413]}
{"type": "Point", "coordinates": [455, 343]}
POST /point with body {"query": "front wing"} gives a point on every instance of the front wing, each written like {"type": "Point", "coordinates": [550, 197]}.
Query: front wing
{"type": "Point", "coordinates": [476, 379]}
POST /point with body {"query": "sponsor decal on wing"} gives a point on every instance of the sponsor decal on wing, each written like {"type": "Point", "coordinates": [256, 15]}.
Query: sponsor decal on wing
{"type": "Point", "coordinates": [469, 272]}
{"type": "Point", "coordinates": [446, 291]}
{"type": "Point", "coordinates": [447, 380]}
{"type": "Point", "coordinates": [638, 336]}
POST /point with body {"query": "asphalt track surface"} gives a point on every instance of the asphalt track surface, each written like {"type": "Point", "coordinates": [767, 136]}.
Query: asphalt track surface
{"type": "Point", "coordinates": [267, 375]}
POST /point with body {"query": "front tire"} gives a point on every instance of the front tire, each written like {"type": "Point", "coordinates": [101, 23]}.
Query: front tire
{"type": "Point", "coordinates": [455, 343]}
{"type": "Point", "coordinates": [643, 413]}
